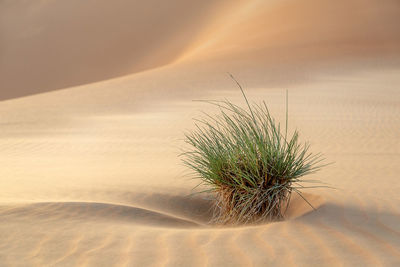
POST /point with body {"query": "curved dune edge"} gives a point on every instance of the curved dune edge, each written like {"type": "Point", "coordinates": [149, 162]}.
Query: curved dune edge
{"type": "Point", "coordinates": [169, 215]}
{"type": "Point", "coordinates": [251, 34]}
{"type": "Point", "coordinates": [94, 211]}
{"type": "Point", "coordinates": [50, 45]}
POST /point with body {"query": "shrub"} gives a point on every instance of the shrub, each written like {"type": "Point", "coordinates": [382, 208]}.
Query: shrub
{"type": "Point", "coordinates": [245, 160]}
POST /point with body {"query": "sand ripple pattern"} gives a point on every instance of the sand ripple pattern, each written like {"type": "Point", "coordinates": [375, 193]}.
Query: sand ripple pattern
{"type": "Point", "coordinates": [89, 175]}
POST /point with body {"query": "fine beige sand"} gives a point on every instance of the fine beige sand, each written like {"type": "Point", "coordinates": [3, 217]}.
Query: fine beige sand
{"type": "Point", "coordinates": [89, 167]}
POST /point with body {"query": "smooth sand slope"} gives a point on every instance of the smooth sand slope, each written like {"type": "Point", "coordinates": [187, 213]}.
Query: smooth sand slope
{"type": "Point", "coordinates": [90, 174]}
{"type": "Point", "coordinates": [58, 44]}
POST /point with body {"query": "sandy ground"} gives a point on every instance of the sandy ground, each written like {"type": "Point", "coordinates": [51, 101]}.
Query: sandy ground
{"type": "Point", "coordinates": [90, 174]}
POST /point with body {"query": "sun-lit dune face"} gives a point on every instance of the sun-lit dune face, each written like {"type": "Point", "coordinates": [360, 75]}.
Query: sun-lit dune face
{"type": "Point", "coordinates": [290, 40]}
{"type": "Point", "coordinates": [306, 30]}
{"type": "Point", "coordinates": [48, 45]}
{"type": "Point", "coordinates": [58, 44]}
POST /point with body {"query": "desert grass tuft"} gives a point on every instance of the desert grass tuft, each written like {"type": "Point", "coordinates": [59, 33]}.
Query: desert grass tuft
{"type": "Point", "coordinates": [247, 162]}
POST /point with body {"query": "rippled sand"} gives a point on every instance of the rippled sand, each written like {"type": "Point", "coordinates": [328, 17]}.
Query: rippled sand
{"type": "Point", "coordinates": [90, 174]}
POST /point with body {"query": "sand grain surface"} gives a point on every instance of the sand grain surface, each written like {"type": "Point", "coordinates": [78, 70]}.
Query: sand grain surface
{"type": "Point", "coordinates": [90, 174]}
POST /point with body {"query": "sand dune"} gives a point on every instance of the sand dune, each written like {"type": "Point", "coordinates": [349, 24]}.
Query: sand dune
{"type": "Point", "coordinates": [58, 44]}
{"type": "Point", "coordinates": [91, 175]}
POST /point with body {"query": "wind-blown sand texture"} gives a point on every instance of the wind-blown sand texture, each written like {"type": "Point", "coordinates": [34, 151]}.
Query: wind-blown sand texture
{"type": "Point", "coordinates": [89, 174]}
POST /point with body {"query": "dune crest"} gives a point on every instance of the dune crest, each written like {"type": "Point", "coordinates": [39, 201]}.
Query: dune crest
{"type": "Point", "coordinates": [59, 44]}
